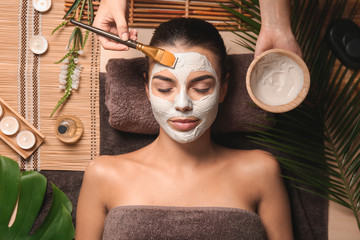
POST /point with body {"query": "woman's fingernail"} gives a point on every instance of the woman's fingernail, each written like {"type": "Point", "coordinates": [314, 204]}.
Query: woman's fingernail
{"type": "Point", "coordinates": [125, 36]}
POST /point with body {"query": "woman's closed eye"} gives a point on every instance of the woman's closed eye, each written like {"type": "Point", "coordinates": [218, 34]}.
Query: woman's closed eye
{"type": "Point", "coordinates": [164, 90]}
{"type": "Point", "coordinates": [202, 84]}
{"type": "Point", "coordinates": [202, 90]}
{"type": "Point", "coordinates": [163, 84]}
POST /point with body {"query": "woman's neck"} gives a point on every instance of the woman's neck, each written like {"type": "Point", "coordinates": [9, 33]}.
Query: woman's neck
{"type": "Point", "coordinates": [183, 155]}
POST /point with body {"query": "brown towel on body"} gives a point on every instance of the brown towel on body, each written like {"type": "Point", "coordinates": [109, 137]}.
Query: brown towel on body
{"type": "Point", "coordinates": [160, 222]}
{"type": "Point", "coordinates": [130, 110]}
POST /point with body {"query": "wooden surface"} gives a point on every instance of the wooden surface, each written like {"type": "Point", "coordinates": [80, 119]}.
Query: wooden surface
{"type": "Point", "coordinates": [57, 155]}
{"type": "Point", "coordinates": [83, 103]}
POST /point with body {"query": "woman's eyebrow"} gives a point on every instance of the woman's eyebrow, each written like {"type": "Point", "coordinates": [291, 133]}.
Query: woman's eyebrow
{"type": "Point", "coordinates": [202, 77]}
{"type": "Point", "coordinates": [161, 77]}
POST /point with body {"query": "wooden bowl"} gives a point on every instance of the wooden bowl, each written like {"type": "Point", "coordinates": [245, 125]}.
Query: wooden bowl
{"type": "Point", "coordinates": [277, 80]}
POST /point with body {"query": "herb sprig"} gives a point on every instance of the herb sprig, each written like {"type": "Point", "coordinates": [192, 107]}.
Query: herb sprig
{"type": "Point", "coordinates": [69, 76]}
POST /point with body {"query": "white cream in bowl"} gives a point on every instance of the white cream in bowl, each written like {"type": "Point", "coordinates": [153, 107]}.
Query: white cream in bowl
{"type": "Point", "coordinates": [278, 80]}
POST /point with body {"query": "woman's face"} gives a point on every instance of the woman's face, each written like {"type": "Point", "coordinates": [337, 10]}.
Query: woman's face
{"type": "Point", "coordinates": [185, 99]}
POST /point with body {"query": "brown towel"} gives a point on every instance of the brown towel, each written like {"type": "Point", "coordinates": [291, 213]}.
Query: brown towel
{"type": "Point", "coordinates": [130, 110]}
{"type": "Point", "coordinates": [160, 222]}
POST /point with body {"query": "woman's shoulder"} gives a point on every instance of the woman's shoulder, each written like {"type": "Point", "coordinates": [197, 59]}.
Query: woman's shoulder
{"type": "Point", "coordinates": [109, 166]}
{"type": "Point", "coordinates": [256, 163]}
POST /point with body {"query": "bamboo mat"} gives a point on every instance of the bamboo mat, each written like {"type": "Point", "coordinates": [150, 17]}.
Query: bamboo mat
{"type": "Point", "coordinates": [29, 83]}
{"type": "Point", "coordinates": [150, 13]}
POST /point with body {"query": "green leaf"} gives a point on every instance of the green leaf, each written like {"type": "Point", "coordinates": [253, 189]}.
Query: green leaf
{"type": "Point", "coordinates": [65, 57]}
{"type": "Point", "coordinates": [82, 9]}
{"type": "Point", "coordinates": [58, 218]}
{"type": "Point", "coordinates": [91, 12]}
{"type": "Point", "coordinates": [255, 25]}
{"type": "Point", "coordinates": [73, 34]}
{"type": "Point", "coordinates": [32, 191]}
{"type": "Point", "coordinates": [63, 24]}
{"type": "Point", "coordinates": [9, 189]}
{"type": "Point", "coordinates": [241, 5]}
{"type": "Point", "coordinates": [72, 8]}
{"type": "Point", "coordinates": [85, 39]}
{"type": "Point", "coordinates": [28, 189]}
{"type": "Point", "coordinates": [61, 101]}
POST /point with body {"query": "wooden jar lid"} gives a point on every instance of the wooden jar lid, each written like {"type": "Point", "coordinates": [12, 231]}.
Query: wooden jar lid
{"type": "Point", "coordinates": [68, 128]}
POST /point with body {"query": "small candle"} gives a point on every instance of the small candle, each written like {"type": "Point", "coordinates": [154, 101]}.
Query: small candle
{"type": "Point", "coordinates": [42, 5]}
{"type": "Point", "coordinates": [9, 125]}
{"type": "Point", "coordinates": [26, 139]}
{"type": "Point", "coordinates": [1, 111]}
{"type": "Point", "coordinates": [38, 44]}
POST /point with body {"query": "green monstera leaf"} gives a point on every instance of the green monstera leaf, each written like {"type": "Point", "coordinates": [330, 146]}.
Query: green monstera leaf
{"type": "Point", "coordinates": [28, 190]}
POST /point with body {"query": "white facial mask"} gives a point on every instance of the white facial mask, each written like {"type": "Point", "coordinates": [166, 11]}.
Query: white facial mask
{"type": "Point", "coordinates": [204, 109]}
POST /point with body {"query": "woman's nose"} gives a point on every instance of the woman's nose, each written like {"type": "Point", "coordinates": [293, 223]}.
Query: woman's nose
{"type": "Point", "coordinates": [183, 102]}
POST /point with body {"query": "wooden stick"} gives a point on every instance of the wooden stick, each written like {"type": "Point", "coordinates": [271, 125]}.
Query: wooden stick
{"type": "Point", "coordinates": [166, 6]}
{"type": "Point", "coordinates": [178, 2]}
{"type": "Point", "coordinates": [166, 14]}
{"type": "Point", "coordinates": [210, 17]}
{"type": "Point", "coordinates": [150, 20]}
{"type": "Point", "coordinates": [210, 4]}
{"type": "Point", "coordinates": [160, 2]}
{"type": "Point", "coordinates": [207, 9]}
{"type": "Point", "coordinates": [182, 4]}
{"type": "Point", "coordinates": [158, 11]}
{"type": "Point", "coordinates": [216, 1]}
{"type": "Point", "coordinates": [163, 16]}
{"type": "Point", "coordinates": [220, 27]}
{"type": "Point", "coordinates": [215, 13]}
{"type": "Point", "coordinates": [210, 13]}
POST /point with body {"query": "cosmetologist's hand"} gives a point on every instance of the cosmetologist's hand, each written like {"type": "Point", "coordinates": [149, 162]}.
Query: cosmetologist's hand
{"type": "Point", "coordinates": [275, 29]}
{"type": "Point", "coordinates": [276, 38]}
{"type": "Point", "coordinates": [111, 17]}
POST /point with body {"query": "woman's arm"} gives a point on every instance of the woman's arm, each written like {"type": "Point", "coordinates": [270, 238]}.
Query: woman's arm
{"type": "Point", "coordinates": [274, 207]}
{"type": "Point", "coordinates": [275, 27]}
{"type": "Point", "coordinates": [91, 210]}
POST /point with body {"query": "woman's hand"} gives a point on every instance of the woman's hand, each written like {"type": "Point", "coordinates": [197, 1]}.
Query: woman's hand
{"type": "Point", "coordinates": [111, 17]}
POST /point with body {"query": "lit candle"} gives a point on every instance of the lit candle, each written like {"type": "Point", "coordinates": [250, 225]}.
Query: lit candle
{"type": "Point", "coordinates": [9, 125]}
{"type": "Point", "coordinates": [26, 139]}
{"type": "Point", "coordinates": [42, 5]}
{"type": "Point", "coordinates": [38, 44]}
{"type": "Point", "coordinates": [1, 111]}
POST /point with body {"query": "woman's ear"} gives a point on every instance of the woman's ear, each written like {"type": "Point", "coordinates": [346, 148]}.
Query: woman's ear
{"type": "Point", "coordinates": [224, 87]}
{"type": "Point", "coordinates": [146, 81]}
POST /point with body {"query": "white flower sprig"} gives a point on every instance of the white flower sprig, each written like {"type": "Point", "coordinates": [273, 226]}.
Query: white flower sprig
{"type": "Point", "coordinates": [69, 77]}
{"type": "Point", "coordinates": [70, 71]}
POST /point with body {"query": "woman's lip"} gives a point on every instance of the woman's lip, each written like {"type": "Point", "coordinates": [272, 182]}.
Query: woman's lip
{"type": "Point", "coordinates": [183, 124]}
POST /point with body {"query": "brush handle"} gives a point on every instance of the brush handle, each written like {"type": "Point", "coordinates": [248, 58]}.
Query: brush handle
{"type": "Point", "coordinates": [129, 43]}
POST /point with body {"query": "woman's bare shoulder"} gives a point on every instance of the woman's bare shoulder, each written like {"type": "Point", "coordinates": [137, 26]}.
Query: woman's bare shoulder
{"type": "Point", "coordinates": [257, 163]}
{"type": "Point", "coordinates": [109, 166]}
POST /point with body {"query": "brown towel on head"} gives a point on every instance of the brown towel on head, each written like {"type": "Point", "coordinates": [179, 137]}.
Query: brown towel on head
{"type": "Point", "coordinates": [159, 222]}
{"type": "Point", "coordinates": [130, 110]}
